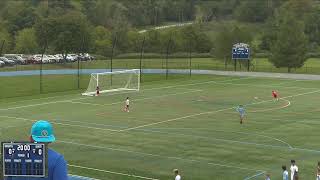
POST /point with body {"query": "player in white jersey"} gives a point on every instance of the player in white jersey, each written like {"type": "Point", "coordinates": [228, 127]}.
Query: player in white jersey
{"type": "Point", "coordinates": [294, 170]}
{"type": "Point", "coordinates": [176, 173]}
{"type": "Point", "coordinates": [127, 103]}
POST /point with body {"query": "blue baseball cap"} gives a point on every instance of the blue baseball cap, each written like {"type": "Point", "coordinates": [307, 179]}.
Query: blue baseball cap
{"type": "Point", "coordinates": [42, 132]}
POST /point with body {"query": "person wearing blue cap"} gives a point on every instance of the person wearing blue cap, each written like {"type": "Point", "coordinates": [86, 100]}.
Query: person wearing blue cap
{"type": "Point", "coordinates": [42, 132]}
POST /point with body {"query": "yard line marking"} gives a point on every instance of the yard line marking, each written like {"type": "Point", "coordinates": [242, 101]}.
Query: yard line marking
{"type": "Point", "coordinates": [156, 155]}
{"type": "Point", "coordinates": [141, 99]}
{"type": "Point", "coordinates": [63, 124]}
{"type": "Point", "coordinates": [210, 112]}
{"type": "Point", "coordinates": [111, 172]}
{"type": "Point", "coordinates": [254, 176]}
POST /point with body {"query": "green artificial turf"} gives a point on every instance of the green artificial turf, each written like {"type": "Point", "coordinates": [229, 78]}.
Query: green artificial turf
{"type": "Point", "coordinates": [185, 123]}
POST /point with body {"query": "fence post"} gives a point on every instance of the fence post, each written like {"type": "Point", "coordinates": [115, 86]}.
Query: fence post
{"type": "Point", "coordinates": [2, 46]}
{"type": "Point", "coordinates": [167, 56]}
{"type": "Point", "coordinates": [141, 56]}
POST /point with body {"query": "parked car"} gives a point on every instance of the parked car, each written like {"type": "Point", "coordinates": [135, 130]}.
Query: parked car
{"type": "Point", "coordinates": [15, 58]}
{"type": "Point", "coordinates": [2, 64]}
{"type": "Point", "coordinates": [7, 62]}
{"type": "Point", "coordinates": [52, 58]}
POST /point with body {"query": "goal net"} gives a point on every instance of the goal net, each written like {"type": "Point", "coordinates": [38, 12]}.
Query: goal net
{"type": "Point", "coordinates": [127, 80]}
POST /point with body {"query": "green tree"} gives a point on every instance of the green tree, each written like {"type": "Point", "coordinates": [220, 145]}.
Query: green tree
{"type": "Point", "coordinates": [227, 37]}
{"type": "Point", "coordinates": [69, 33]}
{"type": "Point", "coordinates": [26, 42]}
{"type": "Point", "coordinates": [102, 41]}
{"type": "Point", "coordinates": [5, 37]}
{"type": "Point", "coordinates": [290, 48]}
{"type": "Point", "coordinates": [312, 26]}
{"type": "Point", "coordinates": [253, 11]}
{"type": "Point", "coordinates": [19, 15]}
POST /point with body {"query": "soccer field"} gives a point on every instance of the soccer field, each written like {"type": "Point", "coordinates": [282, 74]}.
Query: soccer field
{"type": "Point", "coordinates": [188, 124]}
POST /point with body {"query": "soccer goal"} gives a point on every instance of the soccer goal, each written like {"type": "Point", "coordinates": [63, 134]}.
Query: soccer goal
{"type": "Point", "coordinates": [127, 80]}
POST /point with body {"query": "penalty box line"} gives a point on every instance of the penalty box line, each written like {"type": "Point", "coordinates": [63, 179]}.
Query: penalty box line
{"type": "Point", "coordinates": [211, 112]}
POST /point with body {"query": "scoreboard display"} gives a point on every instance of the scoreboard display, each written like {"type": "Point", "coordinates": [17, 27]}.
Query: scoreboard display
{"type": "Point", "coordinates": [24, 159]}
{"type": "Point", "coordinates": [240, 51]}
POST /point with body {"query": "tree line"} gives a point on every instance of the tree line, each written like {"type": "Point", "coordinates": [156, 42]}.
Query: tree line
{"type": "Point", "coordinates": [285, 30]}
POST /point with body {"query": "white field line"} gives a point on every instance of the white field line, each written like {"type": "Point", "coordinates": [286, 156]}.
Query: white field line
{"type": "Point", "coordinates": [271, 109]}
{"type": "Point", "coordinates": [111, 172]}
{"type": "Point", "coordinates": [141, 99]}
{"type": "Point", "coordinates": [225, 140]}
{"type": "Point", "coordinates": [59, 123]}
{"type": "Point", "coordinates": [254, 176]}
{"type": "Point", "coordinates": [182, 85]}
{"type": "Point", "coordinates": [234, 132]}
{"type": "Point", "coordinates": [267, 86]}
{"type": "Point", "coordinates": [82, 177]}
{"type": "Point", "coordinates": [210, 112]}
{"type": "Point", "coordinates": [70, 100]}
{"type": "Point", "coordinates": [157, 155]}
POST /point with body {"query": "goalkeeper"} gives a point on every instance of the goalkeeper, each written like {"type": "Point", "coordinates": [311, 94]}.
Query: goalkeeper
{"type": "Point", "coordinates": [242, 112]}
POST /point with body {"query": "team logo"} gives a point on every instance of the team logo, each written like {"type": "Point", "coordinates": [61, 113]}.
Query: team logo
{"type": "Point", "coordinates": [44, 133]}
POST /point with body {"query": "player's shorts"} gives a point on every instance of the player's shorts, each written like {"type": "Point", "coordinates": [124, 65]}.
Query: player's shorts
{"type": "Point", "coordinates": [127, 106]}
{"type": "Point", "coordinates": [318, 177]}
{"type": "Point", "coordinates": [98, 92]}
{"type": "Point", "coordinates": [275, 96]}
{"type": "Point", "coordinates": [242, 115]}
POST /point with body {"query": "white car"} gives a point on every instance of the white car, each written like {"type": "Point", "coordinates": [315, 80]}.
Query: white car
{"type": "Point", "coordinates": [7, 61]}
{"type": "Point", "coordinates": [52, 58]}
{"type": "Point", "coordinates": [15, 58]}
{"type": "Point", "coordinates": [2, 64]}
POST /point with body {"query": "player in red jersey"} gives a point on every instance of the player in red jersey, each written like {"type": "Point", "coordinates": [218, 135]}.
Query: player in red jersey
{"type": "Point", "coordinates": [275, 95]}
{"type": "Point", "coordinates": [98, 90]}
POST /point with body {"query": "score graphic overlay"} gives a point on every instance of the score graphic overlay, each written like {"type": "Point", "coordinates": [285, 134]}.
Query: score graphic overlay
{"type": "Point", "coordinates": [241, 51]}
{"type": "Point", "coordinates": [24, 159]}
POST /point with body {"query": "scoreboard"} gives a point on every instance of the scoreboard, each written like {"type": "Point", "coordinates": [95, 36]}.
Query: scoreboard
{"type": "Point", "coordinates": [24, 159]}
{"type": "Point", "coordinates": [240, 51]}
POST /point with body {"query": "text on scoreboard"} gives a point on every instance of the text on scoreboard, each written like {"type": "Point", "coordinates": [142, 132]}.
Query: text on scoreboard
{"type": "Point", "coordinates": [24, 159]}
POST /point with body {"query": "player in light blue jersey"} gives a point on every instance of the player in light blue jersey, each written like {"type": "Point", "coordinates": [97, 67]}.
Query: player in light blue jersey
{"type": "Point", "coordinates": [242, 112]}
{"type": "Point", "coordinates": [285, 174]}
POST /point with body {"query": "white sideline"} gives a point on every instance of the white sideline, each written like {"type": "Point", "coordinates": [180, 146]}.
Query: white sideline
{"type": "Point", "coordinates": [210, 112]}
{"type": "Point", "coordinates": [156, 155]}
{"type": "Point", "coordinates": [111, 172]}
{"type": "Point", "coordinates": [141, 99]}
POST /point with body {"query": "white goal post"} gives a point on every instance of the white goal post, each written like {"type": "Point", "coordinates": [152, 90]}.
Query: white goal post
{"type": "Point", "coordinates": [126, 80]}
